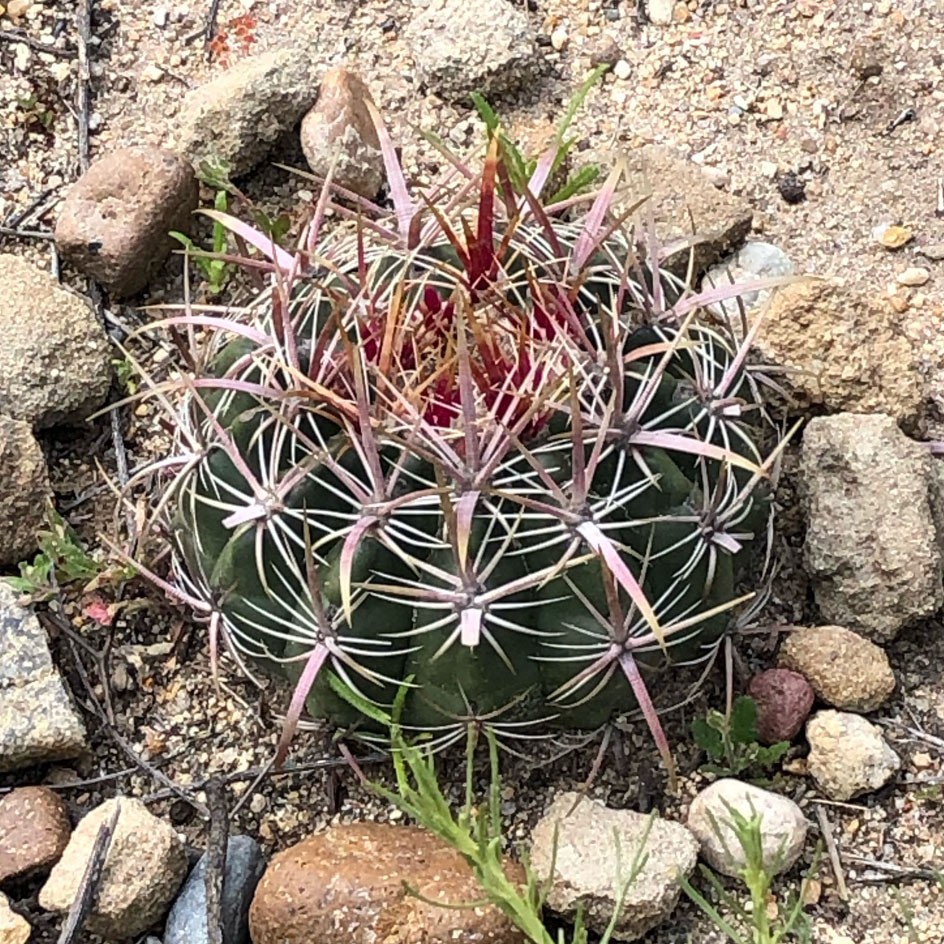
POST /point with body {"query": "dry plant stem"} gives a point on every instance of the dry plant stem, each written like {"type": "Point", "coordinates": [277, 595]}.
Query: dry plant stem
{"type": "Point", "coordinates": [91, 879]}
{"type": "Point", "coordinates": [83, 22]}
{"type": "Point", "coordinates": [217, 838]}
{"type": "Point", "coordinates": [832, 850]}
{"type": "Point", "coordinates": [18, 36]}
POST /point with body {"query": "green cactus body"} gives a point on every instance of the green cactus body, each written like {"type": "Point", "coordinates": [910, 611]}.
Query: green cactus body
{"type": "Point", "coordinates": [483, 457]}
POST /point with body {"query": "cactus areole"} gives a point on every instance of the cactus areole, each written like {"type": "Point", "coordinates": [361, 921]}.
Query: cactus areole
{"type": "Point", "coordinates": [472, 445]}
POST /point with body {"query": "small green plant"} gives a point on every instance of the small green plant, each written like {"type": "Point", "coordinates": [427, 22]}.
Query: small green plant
{"type": "Point", "coordinates": [475, 831]}
{"type": "Point", "coordinates": [61, 560]}
{"type": "Point", "coordinates": [216, 271]}
{"type": "Point", "coordinates": [759, 924]}
{"type": "Point", "coordinates": [126, 374]}
{"type": "Point", "coordinates": [521, 167]}
{"type": "Point", "coordinates": [731, 741]}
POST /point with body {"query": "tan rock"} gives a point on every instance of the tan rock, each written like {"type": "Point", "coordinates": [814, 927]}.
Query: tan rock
{"type": "Point", "coordinates": [346, 884]}
{"type": "Point", "coordinates": [34, 830]}
{"type": "Point", "coordinates": [145, 866]}
{"type": "Point", "coordinates": [592, 847]}
{"type": "Point", "coordinates": [25, 492]}
{"type": "Point", "coordinates": [115, 221]}
{"type": "Point", "coordinates": [846, 350]}
{"type": "Point", "coordinates": [846, 670]}
{"type": "Point", "coordinates": [686, 206]}
{"type": "Point", "coordinates": [848, 755]}
{"type": "Point", "coordinates": [339, 131]}
{"type": "Point", "coordinates": [14, 928]}
{"type": "Point", "coordinates": [55, 359]}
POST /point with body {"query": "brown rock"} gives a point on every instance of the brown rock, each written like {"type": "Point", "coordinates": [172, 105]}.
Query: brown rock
{"type": "Point", "coordinates": [845, 670]}
{"type": "Point", "coordinates": [847, 348]}
{"type": "Point", "coordinates": [145, 866]}
{"type": "Point", "coordinates": [34, 829]}
{"type": "Point", "coordinates": [55, 359]}
{"type": "Point", "coordinates": [114, 223]}
{"type": "Point", "coordinates": [14, 928]}
{"type": "Point", "coordinates": [25, 493]}
{"type": "Point", "coordinates": [339, 130]}
{"type": "Point", "coordinates": [682, 194]}
{"type": "Point", "coordinates": [346, 884]}
{"type": "Point", "coordinates": [784, 700]}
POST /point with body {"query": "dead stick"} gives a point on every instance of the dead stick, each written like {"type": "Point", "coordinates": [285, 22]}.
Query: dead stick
{"type": "Point", "coordinates": [832, 851]}
{"type": "Point", "coordinates": [27, 233]}
{"type": "Point", "coordinates": [18, 36]}
{"type": "Point", "coordinates": [217, 838]}
{"type": "Point", "coordinates": [83, 22]}
{"type": "Point", "coordinates": [91, 880]}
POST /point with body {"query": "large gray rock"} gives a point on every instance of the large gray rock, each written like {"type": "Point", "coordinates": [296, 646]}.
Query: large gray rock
{"type": "Point", "coordinates": [115, 222]}
{"type": "Point", "coordinates": [187, 921]}
{"type": "Point", "coordinates": [684, 204]}
{"type": "Point", "coordinates": [236, 119]}
{"type": "Point", "coordinates": [460, 47]}
{"type": "Point", "coordinates": [37, 720]}
{"type": "Point", "coordinates": [871, 545]}
{"type": "Point", "coordinates": [848, 755]}
{"type": "Point", "coordinates": [593, 853]}
{"type": "Point", "coordinates": [55, 358]}
{"type": "Point", "coordinates": [25, 491]}
{"type": "Point", "coordinates": [782, 826]}
{"type": "Point", "coordinates": [145, 865]}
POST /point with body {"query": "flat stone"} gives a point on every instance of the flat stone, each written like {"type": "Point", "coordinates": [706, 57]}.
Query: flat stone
{"type": "Point", "coordinates": [55, 360]}
{"type": "Point", "coordinates": [680, 194]}
{"type": "Point", "coordinates": [578, 836]}
{"type": "Point", "coordinates": [26, 490]}
{"type": "Point", "coordinates": [187, 921]}
{"type": "Point", "coordinates": [34, 830]}
{"type": "Point", "coordinates": [115, 222]}
{"type": "Point", "coordinates": [38, 722]}
{"type": "Point", "coordinates": [233, 121]}
{"type": "Point", "coordinates": [783, 826]}
{"type": "Point", "coordinates": [144, 868]}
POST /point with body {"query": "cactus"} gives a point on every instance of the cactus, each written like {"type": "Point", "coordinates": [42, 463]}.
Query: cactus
{"type": "Point", "coordinates": [472, 445]}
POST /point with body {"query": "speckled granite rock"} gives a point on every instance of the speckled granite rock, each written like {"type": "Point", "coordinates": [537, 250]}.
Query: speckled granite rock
{"type": "Point", "coordinates": [577, 835]}
{"type": "Point", "coordinates": [38, 722]}
{"type": "Point", "coordinates": [145, 866]}
{"type": "Point", "coordinates": [34, 829]}
{"type": "Point", "coordinates": [237, 117]}
{"type": "Point", "coordinates": [55, 359]}
{"type": "Point", "coordinates": [25, 491]}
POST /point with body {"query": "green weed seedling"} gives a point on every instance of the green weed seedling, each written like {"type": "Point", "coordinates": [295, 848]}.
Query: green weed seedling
{"type": "Point", "coordinates": [758, 924]}
{"type": "Point", "coordinates": [216, 271]}
{"type": "Point", "coordinates": [475, 831]}
{"type": "Point", "coordinates": [61, 560]}
{"type": "Point", "coordinates": [731, 742]}
{"type": "Point", "coordinates": [521, 166]}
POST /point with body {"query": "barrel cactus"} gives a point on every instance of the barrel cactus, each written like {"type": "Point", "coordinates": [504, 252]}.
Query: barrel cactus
{"type": "Point", "coordinates": [475, 444]}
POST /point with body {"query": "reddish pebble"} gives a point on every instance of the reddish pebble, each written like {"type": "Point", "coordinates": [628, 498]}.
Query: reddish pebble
{"type": "Point", "coordinates": [784, 700]}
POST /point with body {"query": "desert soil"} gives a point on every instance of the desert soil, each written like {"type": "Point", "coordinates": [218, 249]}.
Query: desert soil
{"type": "Point", "coordinates": [751, 90]}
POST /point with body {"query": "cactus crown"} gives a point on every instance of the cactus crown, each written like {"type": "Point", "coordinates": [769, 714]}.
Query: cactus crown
{"type": "Point", "coordinates": [468, 443]}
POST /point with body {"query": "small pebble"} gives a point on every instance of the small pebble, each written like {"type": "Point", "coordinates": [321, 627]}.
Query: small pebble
{"type": "Point", "coordinates": [913, 276]}
{"type": "Point", "coordinates": [792, 188]}
{"type": "Point", "coordinates": [622, 69]}
{"type": "Point", "coordinates": [559, 38]}
{"type": "Point", "coordinates": [935, 252]}
{"type": "Point", "coordinates": [160, 17]}
{"type": "Point", "coordinates": [891, 236]}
